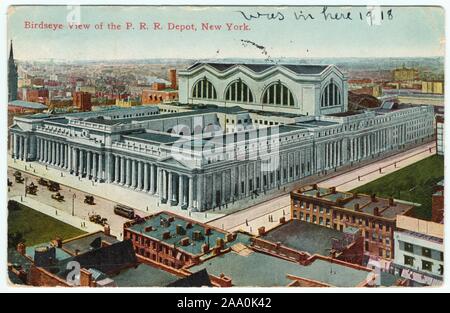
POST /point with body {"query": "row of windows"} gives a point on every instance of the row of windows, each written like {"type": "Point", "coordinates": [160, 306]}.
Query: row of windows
{"type": "Point", "coordinates": [426, 265]}
{"type": "Point", "coordinates": [275, 94]}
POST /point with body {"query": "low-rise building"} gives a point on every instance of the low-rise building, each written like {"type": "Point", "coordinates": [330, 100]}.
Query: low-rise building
{"type": "Point", "coordinates": [174, 241]}
{"type": "Point", "coordinates": [374, 216]}
{"type": "Point", "coordinates": [419, 251]}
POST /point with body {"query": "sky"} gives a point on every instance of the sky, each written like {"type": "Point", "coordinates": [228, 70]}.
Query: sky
{"type": "Point", "coordinates": [406, 32]}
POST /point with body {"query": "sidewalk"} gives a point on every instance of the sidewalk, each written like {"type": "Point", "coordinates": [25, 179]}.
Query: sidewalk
{"type": "Point", "coordinates": [62, 216]}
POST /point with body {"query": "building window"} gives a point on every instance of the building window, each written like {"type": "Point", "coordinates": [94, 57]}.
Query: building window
{"type": "Point", "coordinates": [409, 260]}
{"type": "Point", "coordinates": [409, 247]}
{"type": "Point", "coordinates": [331, 95]}
{"type": "Point", "coordinates": [426, 252]}
{"type": "Point", "coordinates": [278, 94]}
{"type": "Point", "coordinates": [204, 89]}
{"type": "Point", "coordinates": [427, 266]}
{"type": "Point", "coordinates": [238, 91]}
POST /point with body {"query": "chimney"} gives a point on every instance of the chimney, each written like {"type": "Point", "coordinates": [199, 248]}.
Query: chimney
{"type": "Point", "coordinates": [148, 229]}
{"type": "Point", "coordinates": [373, 197]}
{"type": "Point", "coordinates": [171, 219]}
{"type": "Point", "coordinates": [107, 230]}
{"type": "Point", "coordinates": [230, 237]}
{"type": "Point", "coordinates": [376, 211]}
{"type": "Point", "coordinates": [219, 243]}
{"type": "Point", "coordinates": [391, 201]}
{"type": "Point", "coordinates": [185, 241]}
{"type": "Point", "coordinates": [21, 248]}
{"type": "Point", "coordinates": [205, 248]}
{"type": "Point", "coordinates": [57, 242]}
{"type": "Point", "coordinates": [180, 230]}
{"type": "Point", "coordinates": [318, 194]}
{"type": "Point", "coordinates": [333, 190]}
{"type": "Point", "coordinates": [314, 186]}
{"type": "Point", "coordinates": [262, 231]}
{"type": "Point", "coordinates": [356, 207]}
{"type": "Point", "coordinates": [282, 220]}
{"type": "Point", "coordinates": [85, 278]}
{"type": "Point", "coordinates": [207, 231]}
{"type": "Point", "coordinates": [173, 78]}
{"type": "Point", "coordinates": [166, 235]}
{"type": "Point", "coordinates": [188, 225]}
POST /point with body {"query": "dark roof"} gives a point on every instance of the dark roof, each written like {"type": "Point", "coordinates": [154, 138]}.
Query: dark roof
{"type": "Point", "coordinates": [108, 259]}
{"type": "Point", "coordinates": [198, 279]}
{"type": "Point", "coordinates": [299, 69]}
{"type": "Point", "coordinates": [86, 243]}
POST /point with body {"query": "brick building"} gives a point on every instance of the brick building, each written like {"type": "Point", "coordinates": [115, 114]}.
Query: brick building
{"type": "Point", "coordinates": [437, 203]}
{"type": "Point", "coordinates": [175, 241]}
{"type": "Point", "coordinates": [82, 100]}
{"type": "Point", "coordinates": [374, 216]}
{"type": "Point", "coordinates": [160, 91]}
{"type": "Point", "coordinates": [40, 95]}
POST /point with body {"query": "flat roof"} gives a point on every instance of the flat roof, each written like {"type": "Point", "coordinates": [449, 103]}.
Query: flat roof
{"type": "Point", "coordinates": [159, 225]}
{"type": "Point", "coordinates": [85, 243]}
{"type": "Point", "coordinates": [154, 137]}
{"type": "Point", "coordinates": [261, 270]}
{"type": "Point", "coordinates": [27, 104]}
{"type": "Point", "coordinates": [300, 69]}
{"type": "Point", "coordinates": [303, 236]}
{"type": "Point", "coordinates": [144, 276]}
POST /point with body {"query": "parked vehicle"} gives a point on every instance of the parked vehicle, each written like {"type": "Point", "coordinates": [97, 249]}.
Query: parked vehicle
{"type": "Point", "coordinates": [52, 186]}
{"type": "Point", "coordinates": [31, 189]}
{"type": "Point", "coordinates": [9, 183]}
{"type": "Point", "coordinates": [42, 182]}
{"type": "Point", "coordinates": [124, 211]}
{"type": "Point", "coordinates": [17, 174]}
{"type": "Point", "coordinates": [97, 219]}
{"type": "Point", "coordinates": [89, 200]}
{"type": "Point", "coordinates": [19, 179]}
{"type": "Point", "coordinates": [58, 197]}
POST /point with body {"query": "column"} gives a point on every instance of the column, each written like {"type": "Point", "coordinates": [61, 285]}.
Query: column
{"type": "Point", "coordinates": [67, 157]}
{"type": "Point", "coordinates": [213, 189]}
{"type": "Point", "coordinates": [199, 192]}
{"type": "Point", "coordinates": [232, 182]}
{"type": "Point", "coordinates": [133, 173]}
{"type": "Point", "coordinates": [169, 188]}
{"type": "Point", "coordinates": [53, 153]}
{"type": "Point", "coordinates": [94, 170]}
{"type": "Point", "coordinates": [20, 147]}
{"type": "Point", "coordinates": [139, 182]}
{"type": "Point", "coordinates": [222, 193]}
{"type": "Point", "coordinates": [152, 179]}
{"type": "Point", "coordinates": [122, 170]}
{"type": "Point", "coordinates": [25, 157]}
{"type": "Point", "coordinates": [181, 190]}
{"type": "Point", "coordinates": [128, 173]}
{"type": "Point", "coordinates": [160, 183]}
{"type": "Point", "coordinates": [82, 152]}
{"type": "Point", "coordinates": [191, 191]}
{"type": "Point", "coordinates": [146, 177]}
{"type": "Point", "coordinates": [57, 155]}
{"type": "Point", "coordinates": [75, 161]}
{"type": "Point", "coordinates": [89, 164]}
{"type": "Point", "coordinates": [16, 147]}
{"type": "Point", "coordinates": [100, 166]}
{"type": "Point", "coordinates": [117, 169]}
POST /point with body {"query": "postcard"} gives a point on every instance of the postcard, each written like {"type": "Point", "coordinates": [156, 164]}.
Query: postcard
{"type": "Point", "coordinates": [225, 146]}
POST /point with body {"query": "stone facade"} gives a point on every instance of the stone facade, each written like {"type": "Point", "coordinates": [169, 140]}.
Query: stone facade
{"type": "Point", "coordinates": [202, 157]}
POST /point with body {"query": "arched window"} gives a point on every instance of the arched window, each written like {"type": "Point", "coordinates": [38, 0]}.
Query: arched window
{"type": "Point", "coordinates": [238, 91]}
{"type": "Point", "coordinates": [204, 89]}
{"type": "Point", "coordinates": [331, 95]}
{"type": "Point", "coordinates": [278, 94]}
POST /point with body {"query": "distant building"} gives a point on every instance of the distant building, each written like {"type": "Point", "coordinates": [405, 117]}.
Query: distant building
{"type": "Point", "coordinates": [440, 134]}
{"type": "Point", "coordinates": [174, 241]}
{"type": "Point", "coordinates": [419, 251]}
{"type": "Point", "coordinates": [40, 95]}
{"type": "Point", "coordinates": [82, 101]}
{"type": "Point", "coordinates": [25, 107]}
{"type": "Point", "coordinates": [12, 76]}
{"type": "Point", "coordinates": [405, 74]}
{"type": "Point", "coordinates": [374, 216]}
{"type": "Point", "coordinates": [126, 103]}
{"type": "Point", "coordinates": [435, 87]}
{"type": "Point", "coordinates": [161, 92]}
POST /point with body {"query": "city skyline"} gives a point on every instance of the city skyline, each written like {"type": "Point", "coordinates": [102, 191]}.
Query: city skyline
{"type": "Point", "coordinates": [351, 37]}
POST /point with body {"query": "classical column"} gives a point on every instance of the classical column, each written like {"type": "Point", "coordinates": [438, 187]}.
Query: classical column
{"type": "Point", "coordinates": [180, 190]}
{"type": "Point", "coordinates": [117, 169]}
{"type": "Point", "coordinates": [20, 148]}
{"type": "Point", "coordinates": [53, 153]}
{"type": "Point", "coordinates": [191, 191]}
{"type": "Point", "coordinates": [122, 170]}
{"type": "Point", "coordinates": [94, 170]}
{"type": "Point", "coordinates": [199, 192]}
{"type": "Point", "coordinates": [128, 173]}
{"type": "Point", "coordinates": [160, 183]}
{"type": "Point", "coordinates": [25, 157]}
{"type": "Point", "coordinates": [140, 172]}
{"type": "Point", "coordinates": [133, 173]}
{"type": "Point", "coordinates": [222, 193]}
{"type": "Point", "coordinates": [146, 176]}
{"type": "Point", "coordinates": [152, 179]}
{"type": "Point", "coordinates": [81, 162]}
{"type": "Point", "coordinates": [232, 182]}
{"type": "Point", "coordinates": [75, 161]}
{"type": "Point", "coordinates": [66, 157]}
{"type": "Point", "coordinates": [100, 166]}
{"type": "Point", "coordinates": [89, 164]}
{"type": "Point", "coordinates": [169, 188]}
{"type": "Point", "coordinates": [15, 146]}
{"type": "Point", "coordinates": [213, 189]}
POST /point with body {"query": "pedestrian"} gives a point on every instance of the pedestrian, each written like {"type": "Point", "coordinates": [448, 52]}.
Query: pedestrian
{"type": "Point", "coordinates": [246, 222]}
